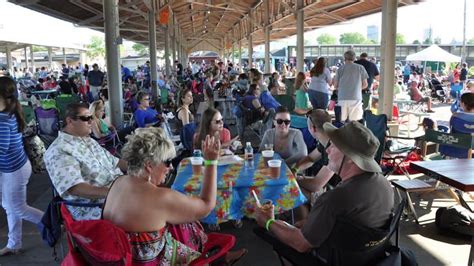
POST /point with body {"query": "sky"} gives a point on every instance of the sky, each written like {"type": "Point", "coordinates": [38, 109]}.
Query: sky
{"type": "Point", "coordinates": [445, 17]}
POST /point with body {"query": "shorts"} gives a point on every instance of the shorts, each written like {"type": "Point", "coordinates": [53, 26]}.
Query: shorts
{"type": "Point", "coordinates": [351, 110]}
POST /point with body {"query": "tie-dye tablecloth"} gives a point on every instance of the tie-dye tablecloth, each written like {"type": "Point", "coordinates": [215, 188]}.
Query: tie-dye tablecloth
{"type": "Point", "coordinates": [234, 183]}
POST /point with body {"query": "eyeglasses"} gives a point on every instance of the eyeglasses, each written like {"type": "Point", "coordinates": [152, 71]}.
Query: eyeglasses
{"type": "Point", "coordinates": [281, 121]}
{"type": "Point", "coordinates": [168, 162]}
{"type": "Point", "coordinates": [218, 121]}
{"type": "Point", "coordinates": [85, 118]}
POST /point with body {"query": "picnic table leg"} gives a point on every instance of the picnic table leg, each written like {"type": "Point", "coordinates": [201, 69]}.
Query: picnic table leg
{"type": "Point", "coordinates": [471, 253]}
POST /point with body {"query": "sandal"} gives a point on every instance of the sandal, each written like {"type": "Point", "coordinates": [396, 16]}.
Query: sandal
{"type": "Point", "coordinates": [8, 251]}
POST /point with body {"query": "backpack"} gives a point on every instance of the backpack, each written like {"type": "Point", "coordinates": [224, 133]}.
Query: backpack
{"type": "Point", "coordinates": [455, 218]}
{"type": "Point", "coordinates": [35, 150]}
{"type": "Point", "coordinates": [51, 223]}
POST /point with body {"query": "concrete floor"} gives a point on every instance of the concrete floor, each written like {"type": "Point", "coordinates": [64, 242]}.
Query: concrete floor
{"type": "Point", "coordinates": [430, 246]}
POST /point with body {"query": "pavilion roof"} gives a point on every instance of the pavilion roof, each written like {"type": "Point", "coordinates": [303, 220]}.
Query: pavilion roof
{"type": "Point", "coordinates": [209, 24]}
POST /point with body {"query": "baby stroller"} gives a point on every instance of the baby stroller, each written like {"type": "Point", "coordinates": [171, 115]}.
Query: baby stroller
{"type": "Point", "coordinates": [437, 90]}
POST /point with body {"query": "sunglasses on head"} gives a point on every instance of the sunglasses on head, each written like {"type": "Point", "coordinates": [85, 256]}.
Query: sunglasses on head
{"type": "Point", "coordinates": [281, 121]}
{"type": "Point", "coordinates": [167, 163]}
{"type": "Point", "coordinates": [85, 118]}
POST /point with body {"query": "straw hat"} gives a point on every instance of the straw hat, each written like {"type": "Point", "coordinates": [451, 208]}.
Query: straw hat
{"type": "Point", "coordinates": [356, 142]}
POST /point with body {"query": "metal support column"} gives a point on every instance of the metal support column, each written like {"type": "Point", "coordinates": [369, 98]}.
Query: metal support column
{"type": "Point", "coordinates": [9, 61]}
{"type": "Point", "coordinates": [152, 48]}
{"type": "Point", "coordinates": [173, 50]}
{"type": "Point", "coordinates": [32, 58]}
{"type": "Point", "coordinates": [112, 40]}
{"type": "Point", "coordinates": [250, 41]}
{"type": "Point", "coordinates": [300, 36]}
{"type": "Point", "coordinates": [233, 54]}
{"type": "Point", "coordinates": [26, 58]}
{"type": "Point", "coordinates": [167, 51]}
{"type": "Point", "coordinates": [240, 56]}
{"type": "Point", "coordinates": [267, 36]}
{"type": "Point", "coordinates": [389, 31]}
{"type": "Point", "coordinates": [50, 58]}
{"type": "Point", "coordinates": [64, 56]}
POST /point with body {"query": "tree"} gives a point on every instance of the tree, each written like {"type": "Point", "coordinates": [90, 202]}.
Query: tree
{"type": "Point", "coordinates": [471, 41]}
{"type": "Point", "coordinates": [416, 42]}
{"type": "Point", "coordinates": [140, 49]}
{"type": "Point", "coordinates": [326, 38]}
{"type": "Point", "coordinates": [400, 39]}
{"type": "Point", "coordinates": [437, 40]}
{"type": "Point", "coordinates": [39, 48]}
{"type": "Point", "coordinates": [96, 48]}
{"type": "Point", "coordinates": [352, 38]}
{"type": "Point", "coordinates": [428, 41]}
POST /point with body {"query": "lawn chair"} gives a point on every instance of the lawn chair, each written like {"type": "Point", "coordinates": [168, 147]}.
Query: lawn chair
{"type": "Point", "coordinates": [62, 101]}
{"type": "Point", "coordinates": [287, 101]}
{"type": "Point", "coordinates": [95, 242]}
{"type": "Point", "coordinates": [458, 126]}
{"type": "Point", "coordinates": [395, 154]}
{"type": "Point", "coordinates": [111, 143]}
{"type": "Point", "coordinates": [348, 243]}
{"type": "Point", "coordinates": [47, 124]}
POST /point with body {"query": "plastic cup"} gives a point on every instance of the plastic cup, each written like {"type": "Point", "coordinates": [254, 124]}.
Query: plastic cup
{"type": "Point", "coordinates": [269, 147]}
{"type": "Point", "coordinates": [266, 205]}
{"type": "Point", "coordinates": [197, 165]}
{"type": "Point", "coordinates": [275, 166]}
{"type": "Point", "coordinates": [267, 156]}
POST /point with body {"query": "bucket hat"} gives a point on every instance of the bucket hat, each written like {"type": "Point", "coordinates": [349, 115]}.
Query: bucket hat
{"type": "Point", "coordinates": [356, 142]}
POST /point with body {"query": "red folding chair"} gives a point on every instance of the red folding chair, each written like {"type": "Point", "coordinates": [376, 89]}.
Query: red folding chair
{"type": "Point", "coordinates": [95, 242]}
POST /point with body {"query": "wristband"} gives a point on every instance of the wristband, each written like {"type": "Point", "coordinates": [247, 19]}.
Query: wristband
{"type": "Point", "coordinates": [210, 162]}
{"type": "Point", "coordinates": [268, 223]}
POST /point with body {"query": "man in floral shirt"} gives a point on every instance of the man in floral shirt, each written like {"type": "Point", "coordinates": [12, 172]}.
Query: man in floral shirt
{"type": "Point", "coordinates": [79, 168]}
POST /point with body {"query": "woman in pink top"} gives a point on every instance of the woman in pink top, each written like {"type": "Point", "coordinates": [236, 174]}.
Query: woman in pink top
{"type": "Point", "coordinates": [212, 124]}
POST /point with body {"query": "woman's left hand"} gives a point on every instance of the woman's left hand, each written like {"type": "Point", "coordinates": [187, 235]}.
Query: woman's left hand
{"type": "Point", "coordinates": [210, 148]}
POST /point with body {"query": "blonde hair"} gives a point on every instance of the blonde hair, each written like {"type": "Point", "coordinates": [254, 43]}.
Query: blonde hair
{"type": "Point", "coordinates": [147, 145]}
{"type": "Point", "coordinates": [95, 106]}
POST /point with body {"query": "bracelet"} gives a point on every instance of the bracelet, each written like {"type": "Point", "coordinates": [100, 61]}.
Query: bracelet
{"type": "Point", "coordinates": [210, 162]}
{"type": "Point", "coordinates": [268, 223]}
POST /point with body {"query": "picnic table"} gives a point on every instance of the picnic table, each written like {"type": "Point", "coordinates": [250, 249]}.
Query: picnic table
{"type": "Point", "coordinates": [234, 184]}
{"type": "Point", "coordinates": [456, 173]}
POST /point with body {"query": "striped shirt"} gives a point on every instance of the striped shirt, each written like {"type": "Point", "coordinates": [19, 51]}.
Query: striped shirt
{"type": "Point", "coordinates": [12, 152]}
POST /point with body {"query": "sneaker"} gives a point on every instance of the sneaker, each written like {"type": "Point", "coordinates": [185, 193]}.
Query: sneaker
{"type": "Point", "coordinates": [7, 251]}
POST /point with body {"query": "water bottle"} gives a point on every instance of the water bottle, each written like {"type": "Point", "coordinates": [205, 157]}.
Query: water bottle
{"type": "Point", "coordinates": [248, 155]}
{"type": "Point", "coordinates": [197, 153]}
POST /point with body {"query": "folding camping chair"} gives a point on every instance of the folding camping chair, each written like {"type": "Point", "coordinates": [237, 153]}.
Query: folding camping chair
{"type": "Point", "coordinates": [62, 101]}
{"type": "Point", "coordinates": [347, 244]}
{"type": "Point", "coordinates": [47, 124]}
{"type": "Point", "coordinates": [95, 242]}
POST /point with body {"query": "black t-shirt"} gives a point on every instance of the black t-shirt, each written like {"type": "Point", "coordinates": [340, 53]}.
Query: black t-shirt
{"type": "Point", "coordinates": [463, 75]}
{"type": "Point", "coordinates": [366, 199]}
{"type": "Point", "coordinates": [370, 67]}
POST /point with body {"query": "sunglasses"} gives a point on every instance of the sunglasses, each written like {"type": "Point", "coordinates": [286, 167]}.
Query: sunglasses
{"type": "Point", "coordinates": [218, 121]}
{"type": "Point", "coordinates": [85, 118]}
{"type": "Point", "coordinates": [167, 163]}
{"type": "Point", "coordinates": [281, 121]}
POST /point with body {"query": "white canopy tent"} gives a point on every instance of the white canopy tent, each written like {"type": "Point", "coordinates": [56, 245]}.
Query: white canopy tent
{"type": "Point", "coordinates": [434, 54]}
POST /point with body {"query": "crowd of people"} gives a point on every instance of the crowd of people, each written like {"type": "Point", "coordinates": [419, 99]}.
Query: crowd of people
{"type": "Point", "coordinates": [130, 189]}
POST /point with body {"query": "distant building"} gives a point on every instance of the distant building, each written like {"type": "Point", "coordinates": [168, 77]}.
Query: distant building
{"type": "Point", "coordinates": [427, 34]}
{"type": "Point", "coordinates": [373, 33]}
